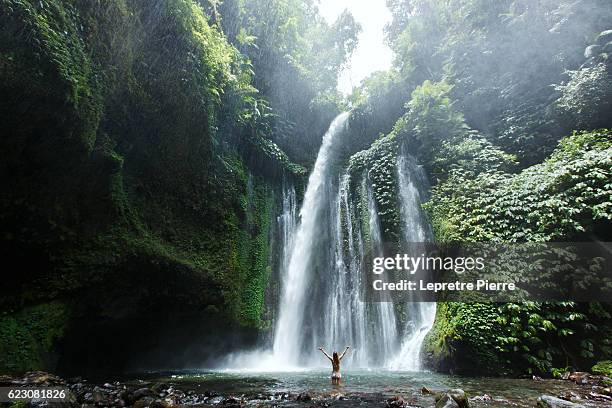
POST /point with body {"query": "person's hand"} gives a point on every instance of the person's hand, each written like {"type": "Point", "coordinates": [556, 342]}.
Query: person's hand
{"type": "Point", "coordinates": [321, 348]}
{"type": "Point", "coordinates": [348, 347]}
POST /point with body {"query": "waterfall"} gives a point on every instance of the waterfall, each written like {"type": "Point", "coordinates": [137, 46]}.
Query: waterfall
{"type": "Point", "coordinates": [289, 334]}
{"type": "Point", "coordinates": [413, 188]}
{"type": "Point", "coordinates": [320, 271]}
{"type": "Point", "coordinates": [286, 223]}
{"type": "Point", "coordinates": [321, 302]}
{"type": "Point", "coordinates": [383, 311]}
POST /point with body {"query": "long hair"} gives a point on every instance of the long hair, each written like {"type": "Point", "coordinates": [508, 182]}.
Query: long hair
{"type": "Point", "coordinates": [336, 358]}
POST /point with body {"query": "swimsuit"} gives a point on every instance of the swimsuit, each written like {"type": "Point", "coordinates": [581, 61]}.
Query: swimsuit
{"type": "Point", "coordinates": [335, 375]}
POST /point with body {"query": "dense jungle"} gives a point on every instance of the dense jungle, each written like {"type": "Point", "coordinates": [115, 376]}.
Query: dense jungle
{"type": "Point", "coordinates": [169, 165]}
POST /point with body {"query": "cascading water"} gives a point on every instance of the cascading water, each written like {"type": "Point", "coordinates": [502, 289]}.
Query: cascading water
{"type": "Point", "coordinates": [287, 223]}
{"type": "Point", "coordinates": [321, 303]}
{"type": "Point", "coordinates": [289, 334]}
{"type": "Point", "coordinates": [413, 189]}
{"type": "Point", "coordinates": [387, 337]}
{"type": "Point", "coordinates": [321, 271]}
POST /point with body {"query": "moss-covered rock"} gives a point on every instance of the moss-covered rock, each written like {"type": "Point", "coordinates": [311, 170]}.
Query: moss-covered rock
{"type": "Point", "coordinates": [126, 180]}
{"type": "Point", "coordinates": [28, 337]}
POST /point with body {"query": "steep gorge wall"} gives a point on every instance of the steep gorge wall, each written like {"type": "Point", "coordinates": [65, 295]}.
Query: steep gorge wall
{"type": "Point", "coordinates": [136, 213]}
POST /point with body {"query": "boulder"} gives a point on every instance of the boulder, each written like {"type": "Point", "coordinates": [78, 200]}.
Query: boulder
{"type": "Point", "coordinates": [40, 379]}
{"type": "Point", "coordinates": [604, 37]}
{"type": "Point", "coordinates": [144, 402]}
{"type": "Point", "coordinates": [5, 380]}
{"type": "Point", "coordinates": [304, 397]}
{"type": "Point", "coordinates": [446, 401]}
{"type": "Point", "coordinates": [592, 50]}
{"type": "Point", "coordinates": [396, 402]}
{"type": "Point", "coordinates": [460, 397]}
{"type": "Point", "coordinates": [143, 392]}
{"type": "Point", "coordinates": [159, 387]}
{"type": "Point", "coordinates": [547, 401]}
{"type": "Point", "coordinates": [452, 398]}
{"type": "Point", "coordinates": [584, 378]}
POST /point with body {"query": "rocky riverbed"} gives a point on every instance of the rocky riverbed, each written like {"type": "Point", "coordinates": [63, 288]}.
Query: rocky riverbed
{"type": "Point", "coordinates": [582, 389]}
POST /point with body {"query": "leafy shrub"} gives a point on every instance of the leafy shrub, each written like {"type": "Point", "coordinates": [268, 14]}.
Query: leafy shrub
{"type": "Point", "coordinates": [603, 368]}
{"type": "Point", "coordinates": [587, 97]}
{"type": "Point", "coordinates": [431, 118]}
{"type": "Point", "coordinates": [559, 198]}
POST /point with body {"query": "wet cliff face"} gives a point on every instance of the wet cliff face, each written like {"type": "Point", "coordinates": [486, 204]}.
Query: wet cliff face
{"type": "Point", "coordinates": [130, 200]}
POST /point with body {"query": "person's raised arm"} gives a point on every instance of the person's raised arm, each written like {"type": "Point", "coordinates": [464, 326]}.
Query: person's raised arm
{"type": "Point", "coordinates": [344, 352]}
{"type": "Point", "coordinates": [326, 355]}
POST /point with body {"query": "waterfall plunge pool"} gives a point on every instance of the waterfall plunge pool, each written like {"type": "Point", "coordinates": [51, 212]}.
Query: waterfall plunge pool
{"type": "Point", "coordinates": [360, 387]}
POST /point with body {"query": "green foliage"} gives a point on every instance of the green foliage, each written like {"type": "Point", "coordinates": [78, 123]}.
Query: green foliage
{"type": "Point", "coordinates": [501, 58]}
{"type": "Point", "coordinates": [464, 339]}
{"type": "Point", "coordinates": [559, 198]}
{"type": "Point", "coordinates": [603, 368]}
{"type": "Point", "coordinates": [27, 338]}
{"type": "Point", "coordinates": [486, 108]}
{"type": "Point", "coordinates": [252, 249]}
{"type": "Point", "coordinates": [513, 338]}
{"type": "Point", "coordinates": [539, 335]}
{"type": "Point", "coordinates": [470, 156]}
{"type": "Point", "coordinates": [134, 126]}
{"type": "Point", "coordinates": [43, 56]}
{"type": "Point", "coordinates": [587, 97]}
{"type": "Point", "coordinates": [431, 118]}
{"type": "Point", "coordinates": [379, 161]}
{"type": "Point", "coordinates": [376, 106]}
{"type": "Point", "coordinates": [297, 57]}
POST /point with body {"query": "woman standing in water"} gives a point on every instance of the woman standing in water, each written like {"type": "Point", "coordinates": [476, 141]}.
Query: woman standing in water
{"type": "Point", "coordinates": [335, 360]}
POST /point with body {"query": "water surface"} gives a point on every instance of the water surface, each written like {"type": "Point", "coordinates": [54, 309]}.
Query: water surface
{"type": "Point", "coordinates": [369, 387]}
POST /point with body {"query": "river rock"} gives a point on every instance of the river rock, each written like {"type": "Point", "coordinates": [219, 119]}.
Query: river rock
{"type": "Point", "coordinates": [144, 402]}
{"type": "Point", "coordinates": [5, 380]}
{"type": "Point", "coordinates": [604, 37]}
{"type": "Point", "coordinates": [547, 401]}
{"type": "Point", "coordinates": [159, 387]}
{"type": "Point", "coordinates": [396, 402]}
{"type": "Point", "coordinates": [595, 396]}
{"type": "Point", "coordinates": [232, 402]}
{"type": "Point", "coordinates": [583, 378]}
{"type": "Point", "coordinates": [143, 392]}
{"type": "Point", "coordinates": [40, 379]}
{"type": "Point", "coordinates": [481, 398]}
{"type": "Point", "coordinates": [98, 397]}
{"type": "Point", "coordinates": [304, 397]}
{"type": "Point", "coordinates": [127, 396]}
{"type": "Point", "coordinates": [592, 50]}
{"type": "Point", "coordinates": [458, 397]}
{"type": "Point", "coordinates": [446, 401]}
